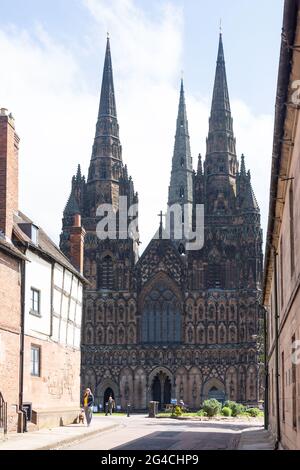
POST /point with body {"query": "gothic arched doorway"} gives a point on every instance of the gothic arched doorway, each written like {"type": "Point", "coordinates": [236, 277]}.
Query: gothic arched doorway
{"type": "Point", "coordinates": [161, 389]}
{"type": "Point", "coordinates": [108, 392]}
{"type": "Point", "coordinates": [214, 388]}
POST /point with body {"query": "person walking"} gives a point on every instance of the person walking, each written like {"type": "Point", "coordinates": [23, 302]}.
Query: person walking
{"type": "Point", "coordinates": [88, 402]}
{"type": "Point", "coordinates": [110, 405]}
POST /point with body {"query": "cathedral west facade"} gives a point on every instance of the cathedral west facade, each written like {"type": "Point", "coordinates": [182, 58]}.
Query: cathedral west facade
{"type": "Point", "coordinates": [172, 323]}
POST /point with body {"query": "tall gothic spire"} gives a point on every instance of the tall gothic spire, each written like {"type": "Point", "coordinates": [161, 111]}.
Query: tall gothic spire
{"type": "Point", "coordinates": [107, 153]}
{"type": "Point", "coordinates": [107, 99]}
{"type": "Point", "coordinates": [180, 189]}
{"type": "Point", "coordinates": [181, 183]}
{"type": "Point", "coordinates": [221, 162]}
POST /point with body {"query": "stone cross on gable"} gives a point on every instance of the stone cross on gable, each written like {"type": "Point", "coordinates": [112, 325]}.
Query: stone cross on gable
{"type": "Point", "coordinates": [161, 215]}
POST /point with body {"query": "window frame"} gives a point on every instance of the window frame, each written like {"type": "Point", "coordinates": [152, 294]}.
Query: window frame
{"type": "Point", "coordinates": [37, 313]}
{"type": "Point", "coordinates": [35, 347]}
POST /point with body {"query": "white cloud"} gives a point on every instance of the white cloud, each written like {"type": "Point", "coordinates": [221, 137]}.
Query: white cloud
{"type": "Point", "coordinates": [43, 84]}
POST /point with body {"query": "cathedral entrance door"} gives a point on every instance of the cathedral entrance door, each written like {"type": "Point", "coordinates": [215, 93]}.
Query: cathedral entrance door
{"type": "Point", "coordinates": [156, 390]}
{"type": "Point", "coordinates": [108, 392]}
{"type": "Point", "coordinates": [161, 389]}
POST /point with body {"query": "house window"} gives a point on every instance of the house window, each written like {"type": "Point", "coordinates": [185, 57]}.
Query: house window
{"type": "Point", "coordinates": [35, 361]}
{"type": "Point", "coordinates": [35, 301]}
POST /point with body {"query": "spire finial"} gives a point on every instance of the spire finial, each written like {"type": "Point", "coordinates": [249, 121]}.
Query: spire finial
{"type": "Point", "coordinates": [107, 35]}
{"type": "Point", "coordinates": [220, 26]}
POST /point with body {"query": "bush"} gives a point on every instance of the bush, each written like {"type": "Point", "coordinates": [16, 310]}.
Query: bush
{"type": "Point", "coordinates": [201, 413]}
{"type": "Point", "coordinates": [177, 411]}
{"type": "Point", "coordinates": [236, 408]}
{"type": "Point", "coordinates": [226, 411]}
{"type": "Point", "coordinates": [212, 407]}
{"type": "Point", "coordinates": [253, 412]}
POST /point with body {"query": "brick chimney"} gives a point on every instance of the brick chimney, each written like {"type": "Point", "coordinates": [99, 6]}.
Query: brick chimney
{"type": "Point", "coordinates": [77, 234]}
{"type": "Point", "coordinates": [9, 172]}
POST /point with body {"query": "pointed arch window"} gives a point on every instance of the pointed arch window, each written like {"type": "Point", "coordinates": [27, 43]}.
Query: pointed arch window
{"type": "Point", "coordinates": [181, 192]}
{"type": "Point", "coordinates": [106, 273]}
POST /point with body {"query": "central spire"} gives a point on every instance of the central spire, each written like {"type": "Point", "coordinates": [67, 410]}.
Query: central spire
{"type": "Point", "coordinates": [107, 99]}
{"type": "Point", "coordinates": [106, 160]}
{"type": "Point", "coordinates": [221, 163]}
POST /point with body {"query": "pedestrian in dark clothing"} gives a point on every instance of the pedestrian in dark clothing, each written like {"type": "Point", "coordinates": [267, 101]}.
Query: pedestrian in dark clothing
{"type": "Point", "coordinates": [110, 405]}
{"type": "Point", "coordinates": [88, 402]}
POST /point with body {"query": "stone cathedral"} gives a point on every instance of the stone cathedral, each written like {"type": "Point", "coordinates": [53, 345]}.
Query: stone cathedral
{"type": "Point", "coordinates": [171, 323]}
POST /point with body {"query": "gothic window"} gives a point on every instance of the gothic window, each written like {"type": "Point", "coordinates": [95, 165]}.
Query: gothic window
{"type": "Point", "coordinates": [161, 319]}
{"type": "Point", "coordinates": [182, 162]}
{"type": "Point", "coordinates": [181, 192]}
{"type": "Point", "coordinates": [106, 273]}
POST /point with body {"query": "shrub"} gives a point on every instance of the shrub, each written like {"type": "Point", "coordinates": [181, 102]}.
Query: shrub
{"type": "Point", "coordinates": [201, 413]}
{"type": "Point", "coordinates": [253, 412]}
{"type": "Point", "coordinates": [177, 411]}
{"type": "Point", "coordinates": [236, 408]}
{"type": "Point", "coordinates": [212, 407]}
{"type": "Point", "coordinates": [226, 411]}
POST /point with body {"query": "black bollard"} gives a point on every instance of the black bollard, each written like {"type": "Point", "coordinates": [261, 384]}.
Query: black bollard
{"type": "Point", "coordinates": [128, 410]}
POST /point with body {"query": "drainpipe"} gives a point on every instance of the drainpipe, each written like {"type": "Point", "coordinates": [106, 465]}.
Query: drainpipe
{"type": "Point", "coordinates": [276, 352]}
{"type": "Point", "coordinates": [21, 358]}
{"type": "Point", "coordinates": [266, 365]}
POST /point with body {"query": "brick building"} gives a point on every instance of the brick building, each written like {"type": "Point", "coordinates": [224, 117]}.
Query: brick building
{"type": "Point", "coordinates": [173, 323]}
{"type": "Point", "coordinates": [40, 307]}
{"type": "Point", "coordinates": [11, 261]}
{"type": "Point", "coordinates": [282, 259]}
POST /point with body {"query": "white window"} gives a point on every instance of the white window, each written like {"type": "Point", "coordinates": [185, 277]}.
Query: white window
{"type": "Point", "coordinates": [35, 301]}
{"type": "Point", "coordinates": [35, 360]}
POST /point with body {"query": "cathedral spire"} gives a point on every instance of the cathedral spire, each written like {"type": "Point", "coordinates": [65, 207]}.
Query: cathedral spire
{"type": "Point", "coordinates": [107, 153]}
{"type": "Point", "coordinates": [243, 166]}
{"type": "Point", "coordinates": [107, 99]}
{"type": "Point", "coordinates": [199, 168]}
{"type": "Point", "coordinates": [180, 189]}
{"type": "Point", "coordinates": [181, 182]}
{"type": "Point", "coordinates": [220, 102]}
{"type": "Point", "coordinates": [221, 164]}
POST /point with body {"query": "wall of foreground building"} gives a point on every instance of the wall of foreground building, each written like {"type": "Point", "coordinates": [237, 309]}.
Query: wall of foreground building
{"type": "Point", "coordinates": [10, 302]}
{"type": "Point", "coordinates": [282, 265]}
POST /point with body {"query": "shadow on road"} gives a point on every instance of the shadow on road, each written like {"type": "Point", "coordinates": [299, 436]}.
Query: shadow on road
{"type": "Point", "coordinates": [178, 440]}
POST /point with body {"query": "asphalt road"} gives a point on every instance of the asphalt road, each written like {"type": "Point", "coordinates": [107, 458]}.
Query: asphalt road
{"type": "Point", "coordinates": [140, 432]}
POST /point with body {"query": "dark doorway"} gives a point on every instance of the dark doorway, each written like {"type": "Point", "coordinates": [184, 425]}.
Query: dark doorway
{"type": "Point", "coordinates": [156, 389]}
{"type": "Point", "coordinates": [161, 390]}
{"type": "Point", "coordinates": [167, 391]}
{"type": "Point", "coordinates": [108, 392]}
{"type": "Point", "coordinates": [217, 394]}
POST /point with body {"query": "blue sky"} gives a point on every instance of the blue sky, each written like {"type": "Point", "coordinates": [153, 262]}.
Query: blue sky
{"type": "Point", "coordinates": [52, 57]}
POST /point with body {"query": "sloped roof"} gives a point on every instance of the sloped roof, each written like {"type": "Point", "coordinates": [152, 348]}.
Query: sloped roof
{"type": "Point", "coordinates": [45, 245]}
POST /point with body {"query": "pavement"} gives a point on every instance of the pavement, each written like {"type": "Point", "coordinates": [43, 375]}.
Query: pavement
{"type": "Point", "coordinates": [140, 432]}
{"type": "Point", "coordinates": [256, 438]}
{"type": "Point", "coordinates": [46, 439]}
